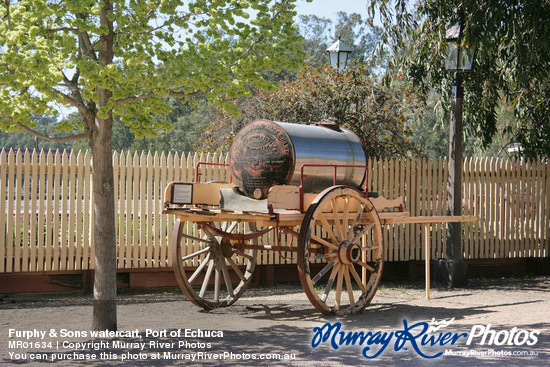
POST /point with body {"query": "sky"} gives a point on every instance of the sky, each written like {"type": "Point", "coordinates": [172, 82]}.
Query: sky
{"type": "Point", "coordinates": [329, 8]}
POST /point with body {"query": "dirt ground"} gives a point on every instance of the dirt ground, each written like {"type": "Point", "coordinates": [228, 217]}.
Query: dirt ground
{"type": "Point", "coordinates": [269, 324]}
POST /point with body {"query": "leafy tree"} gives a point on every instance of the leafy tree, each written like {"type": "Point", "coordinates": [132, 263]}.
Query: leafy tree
{"type": "Point", "coordinates": [352, 99]}
{"type": "Point", "coordinates": [513, 41]}
{"type": "Point", "coordinates": [320, 33]}
{"type": "Point", "coordinates": [121, 59]}
{"type": "Point", "coordinates": [188, 121]}
{"type": "Point", "coordinates": [432, 135]}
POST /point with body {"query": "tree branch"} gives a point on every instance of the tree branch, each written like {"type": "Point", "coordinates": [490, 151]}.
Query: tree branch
{"type": "Point", "coordinates": [63, 29]}
{"type": "Point", "coordinates": [59, 139]}
{"type": "Point", "coordinates": [8, 15]}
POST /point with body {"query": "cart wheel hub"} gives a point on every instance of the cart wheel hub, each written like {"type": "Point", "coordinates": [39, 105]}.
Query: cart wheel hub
{"type": "Point", "coordinates": [349, 253]}
{"type": "Point", "coordinates": [226, 248]}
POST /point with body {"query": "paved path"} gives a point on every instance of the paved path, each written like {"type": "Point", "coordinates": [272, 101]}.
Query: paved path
{"type": "Point", "coordinates": [279, 320]}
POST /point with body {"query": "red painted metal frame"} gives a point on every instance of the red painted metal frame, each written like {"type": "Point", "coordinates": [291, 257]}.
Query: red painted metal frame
{"type": "Point", "coordinates": [197, 169]}
{"type": "Point", "coordinates": [302, 175]}
{"type": "Point", "coordinates": [335, 166]}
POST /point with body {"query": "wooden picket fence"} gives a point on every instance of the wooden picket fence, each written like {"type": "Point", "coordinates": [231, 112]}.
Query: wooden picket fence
{"type": "Point", "coordinates": [47, 201]}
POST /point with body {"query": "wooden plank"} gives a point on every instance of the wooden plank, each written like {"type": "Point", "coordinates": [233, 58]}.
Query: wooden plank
{"type": "Point", "coordinates": [428, 219]}
{"type": "Point", "coordinates": [531, 206]}
{"type": "Point", "coordinates": [141, 217]}
{"type": "Point", "coordinates": [534, 200]}
{"type": "Point", "coordinates": [480, 242]}
{"type": "Point", "coordinates": [467, 205]}
{"type": "Point", "coordinates": [501, 212]}
{"type": "Point", "coordinates": [164, 234]}
{"type": "Point", "coordinates": [509, 207]}
{"type": "Point", "coordinates": [63, 245]}
{"type": "Point", "coordinates": [426, 236]}
{"type": "Point", "coordinates": [41, 211]}
{"type": "Point", "coordinates": [418, 209]}
{"type": "Point", "coordinates": [149, 215]}
{"type": "Point", "coordinates": [127, 213]}
{"type": "Point", "coordinates": [393, 183]}
{"type": "Point", "coordinates": [474, 190]}
{"type": "Point", "coordinates": [57, 188]}
{"type": "Point", "coordinates": [227, 173]}
{"type": "Point", "coordinates": [389, 248]}
{"type": "Point", "coordinates": [428, 197]}
{"type": "Point", "coordinates": [523, 212]}
{"type": "Point", "coordinates": [514, 208]}
{"type": "Point", "coordinates": [79, 192]}
{"type": "Point", "coordinates": [50, 199]}
{"type": "Point", "coordinates": [473, 205]}
{"type": "Point", "coordinates": [499, 218]}
{"type": "Point", "coordinates": [12, 199]}
{"type": "Point", "coordinates": [525, 207]}
{"type": "Point", "coordinates": [517, 197]}
{"type": "Point", "coordinates": [484, 246]}
{"type": "Point", "coordinates": [118, 180]}
{"type": "Point", "coordinates": [27, 197]}
{"type": "Point", "coordinates": [170, 219]}
{"type": "Point", "coordinates": [191, 245]}
{"type": "Point", "coordinates": [72, 265]}
{"type": "Point", "coordinates": [88, 250]}
{"type": "Point", "coordinates": [19, 192]}
{"type": "Point", "coordinates": [442, 205]}
{"type": "Point", "coordinates": [155, 209]}
{"type": "Point", "coordinates": [537, 212]}
{"type": "Point", "coordinates": [491, 207]}
{"type": "Point", "coordinates": [486, 208]}
{"type": "Point", "coordinates": [381, 203]}
{"type": "Point", "coordinates": [186, 167]}
{"type": "Point", "coordinates": [408, 204]}
{"type": "Point", "coordinates": [134, 212]}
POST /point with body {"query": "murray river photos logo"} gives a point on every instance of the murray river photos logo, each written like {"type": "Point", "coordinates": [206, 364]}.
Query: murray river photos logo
{"type": "Point", "coordinates": [426, 339]}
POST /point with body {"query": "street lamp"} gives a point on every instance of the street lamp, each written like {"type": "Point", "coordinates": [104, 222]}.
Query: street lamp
{"type": "Point", "coordinates": [339, 54]}
{"type": "Point", "coordinates": [460, 57]}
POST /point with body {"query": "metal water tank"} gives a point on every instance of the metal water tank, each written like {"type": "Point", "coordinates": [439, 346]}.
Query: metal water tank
{"type": "Point", "coordinates": [266, 153]}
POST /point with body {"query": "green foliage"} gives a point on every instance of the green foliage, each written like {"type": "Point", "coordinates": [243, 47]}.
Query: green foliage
{"type": "Point", "coordinates": [320, 33]}
{"type": "Point", "coordinates": [512, 38]}
{"type": "Point", "coordinates": [187, 121]}
{"type": "Point", "coordinates": [351, 98]}
{"type": "Point", "coordinates": [138, 52]}
{"type": "Point", "coordinates": [535, 131]}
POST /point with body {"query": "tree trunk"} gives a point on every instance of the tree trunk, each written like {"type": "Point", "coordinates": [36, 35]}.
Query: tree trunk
{"type": "Point", "coordinates": [454, 179]}
{"type": "Point", "coordinates": [104, 310]}
{"type": "Point", "coordinates": [452, 271]}
{"type": "Point", "coordinates": [104, 314]}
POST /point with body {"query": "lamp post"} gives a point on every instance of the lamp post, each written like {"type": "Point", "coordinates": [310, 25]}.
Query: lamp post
{"type": "Point", "coordinates": [339, 54]}
{"type": "Point", "coordinates": [452, 270]}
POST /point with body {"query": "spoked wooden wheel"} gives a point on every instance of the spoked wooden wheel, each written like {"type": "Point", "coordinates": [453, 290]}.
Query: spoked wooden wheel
{"type": "Point", "coordinates": [340, 251]}
{"type": "Point", "coordinates": [222, 266]}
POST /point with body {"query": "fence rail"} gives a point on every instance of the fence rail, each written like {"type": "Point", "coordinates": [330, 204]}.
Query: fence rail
{"type": "Point", "coordinates": [47, 203]}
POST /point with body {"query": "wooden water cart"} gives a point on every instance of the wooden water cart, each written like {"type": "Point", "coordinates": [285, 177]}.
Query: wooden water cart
{"type": "Point", "coordinates": [337, 228]}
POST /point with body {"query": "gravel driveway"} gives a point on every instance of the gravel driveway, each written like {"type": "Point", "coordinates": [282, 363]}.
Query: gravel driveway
{"type": "Point", "coordinates": [277, 326]}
